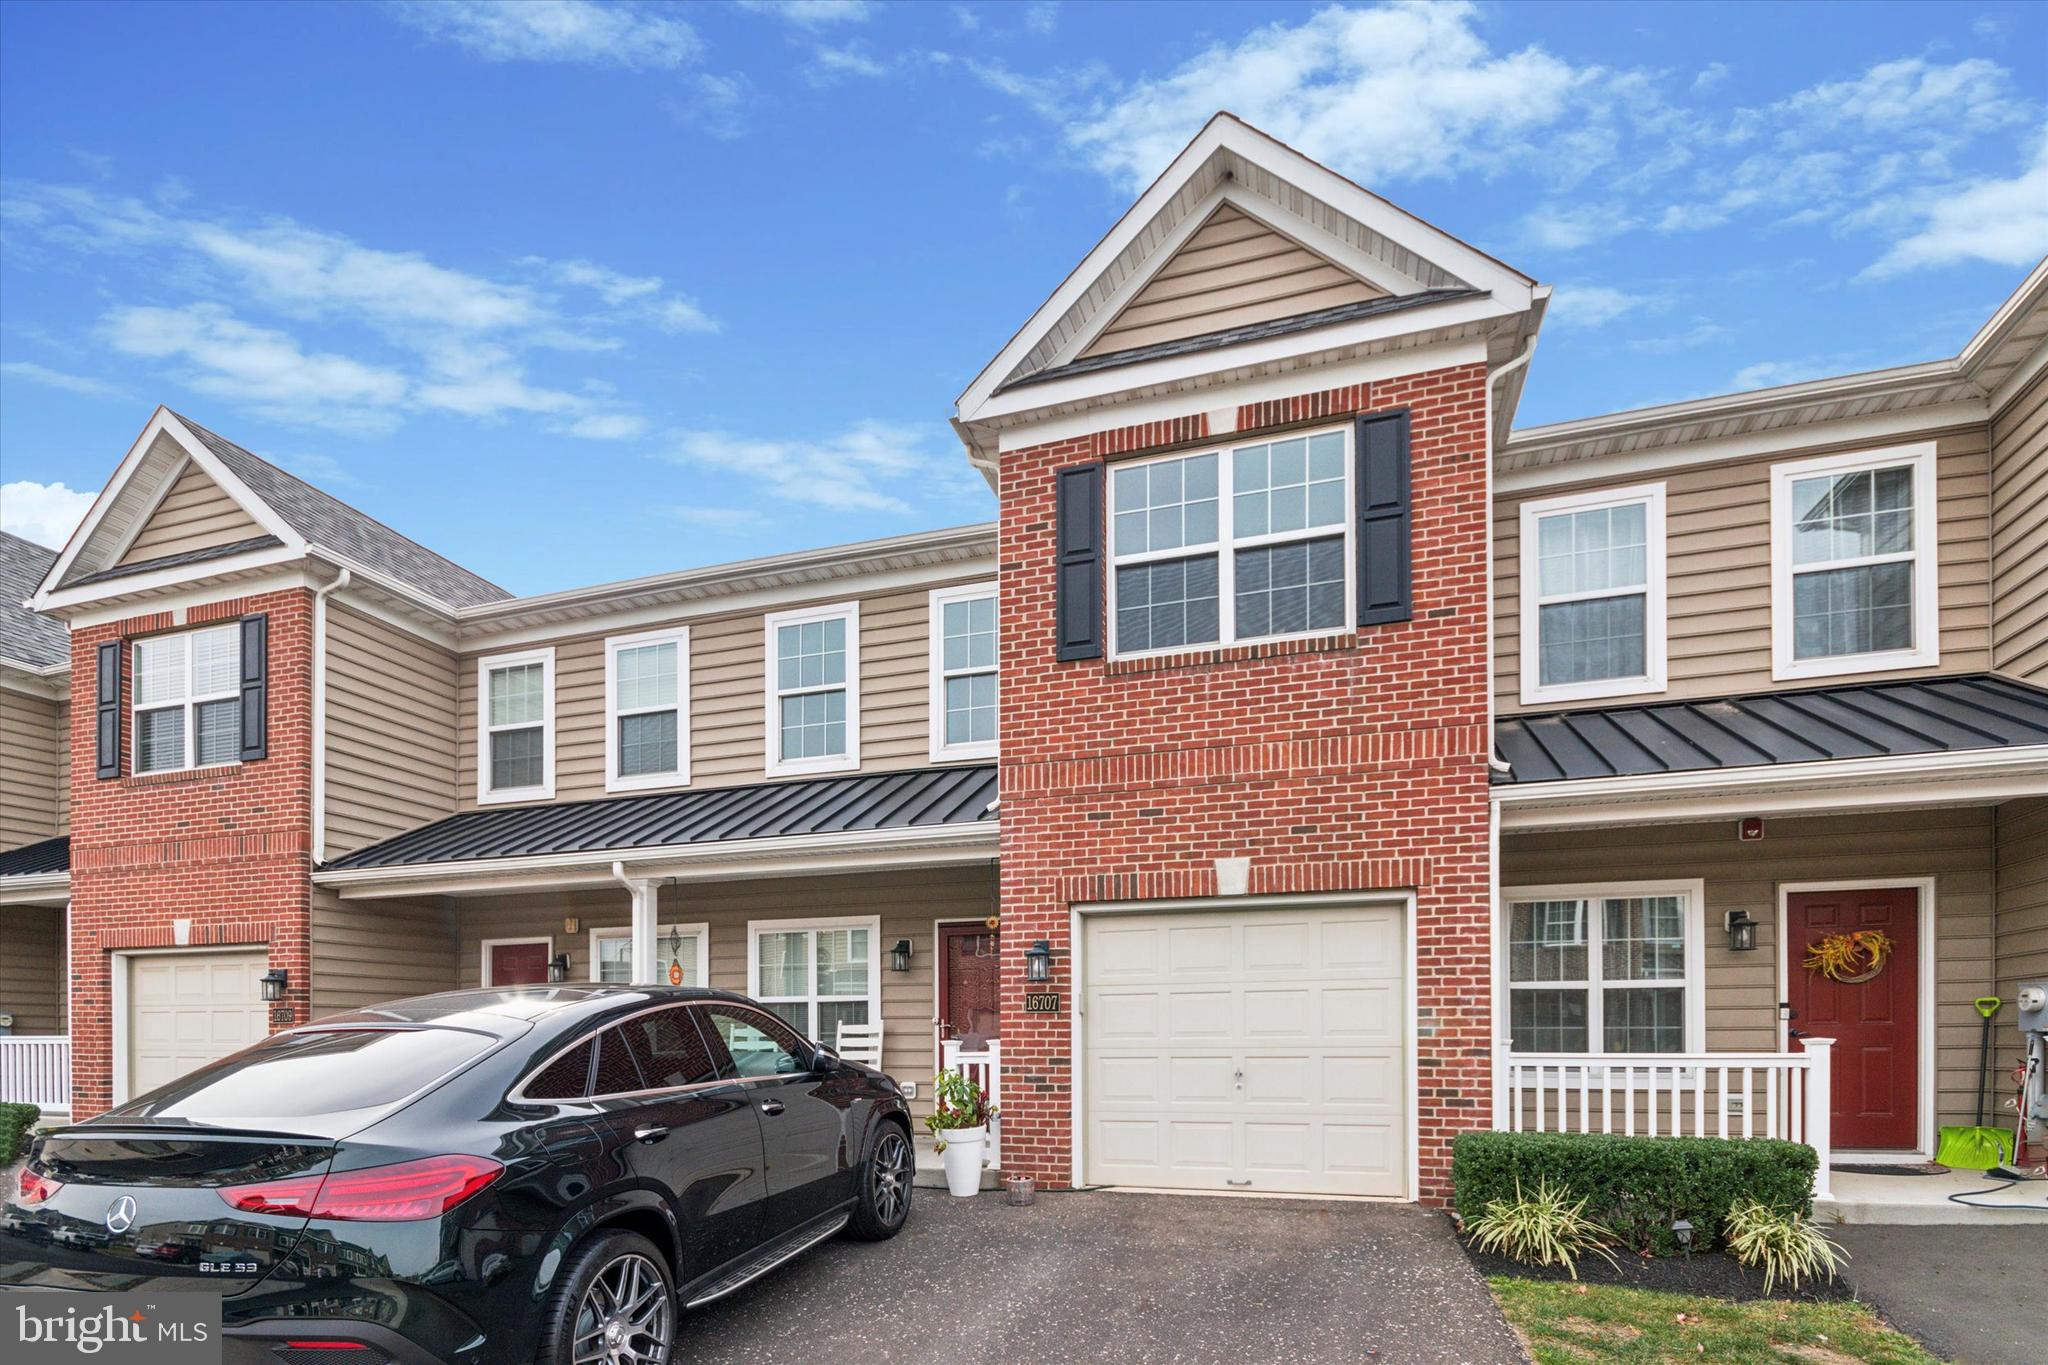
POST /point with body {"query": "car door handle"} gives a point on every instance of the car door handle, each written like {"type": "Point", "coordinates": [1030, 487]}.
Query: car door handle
{"type": "Point", "coordinates": [771, 1107]}
{"type": "Point", "coordinates": [651, 1134]}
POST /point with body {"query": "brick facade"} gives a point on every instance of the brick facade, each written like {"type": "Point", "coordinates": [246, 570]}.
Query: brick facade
{"type": "Point", "coordinates": [1357, 763]}
{"type": "Point", "coordinates": [228, 848]}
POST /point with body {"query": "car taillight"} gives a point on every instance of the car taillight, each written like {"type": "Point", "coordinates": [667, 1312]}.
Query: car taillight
{"type": "Point", "coordinates": [35, 1188]}
{"type": "Point", "coordinates": [426, 1188]}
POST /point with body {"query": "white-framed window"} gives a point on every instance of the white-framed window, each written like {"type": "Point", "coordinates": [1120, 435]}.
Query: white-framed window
{"type": "Point", "coordinates": [963, 672]}
{"type": "Point", "coordinates": [817, 973]}
{"type": "Point", "coordinates": [1592, 594]}
{"type": "Point", "coordinates": [515, 715]}
{"type": "Point", "coordinates": [680, 950]}
{"type": "Point", "coordinates": [647, 710]}
{"type": "Point", "coordinates": [814, 690]}
{"type": "Point", "coordinates": [1249, 542]}
{"type": "Point", "coordinates": [1605, 969]}
{"type": "Point", "coordinates": [188, 699]}
{"type": "Point", "coordinates": [1854, 585]}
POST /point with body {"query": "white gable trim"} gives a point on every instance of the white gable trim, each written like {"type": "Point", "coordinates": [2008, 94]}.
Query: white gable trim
{"type": "Point", "coordinates": [1512, 290]}
{"type": "Point", "coordinates": [162, 423]}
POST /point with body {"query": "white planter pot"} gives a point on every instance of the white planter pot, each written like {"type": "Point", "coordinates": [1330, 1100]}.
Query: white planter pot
{"type": "Point", "coordinates": [963, 1158]}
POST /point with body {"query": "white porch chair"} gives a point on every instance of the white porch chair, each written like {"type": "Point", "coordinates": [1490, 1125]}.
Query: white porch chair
{"type": "Point", "coordinates": [861, 1043]}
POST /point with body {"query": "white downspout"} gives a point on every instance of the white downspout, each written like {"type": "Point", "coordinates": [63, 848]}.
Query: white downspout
{"type": "Point", "coordinates": [320, 715]}
{"type": "Point", "coordinates": [645, 948]}
{"type": "Point", "coordinates": [1498, 993]}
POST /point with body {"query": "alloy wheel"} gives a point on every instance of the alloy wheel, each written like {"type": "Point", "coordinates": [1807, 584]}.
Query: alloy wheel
{"type": "Point", "coordinates": [627, 1316]}
{"type": "Point", "coordinates": [891, 1176]}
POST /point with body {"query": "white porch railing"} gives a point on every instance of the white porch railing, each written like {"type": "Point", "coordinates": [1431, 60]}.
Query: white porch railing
{"type": "Point", "coordinates": [985, 1069]}
{"type": "Point", "coordinates": [36, 1071]}
{"type": "Point", "coordinates": [1705, 1094]}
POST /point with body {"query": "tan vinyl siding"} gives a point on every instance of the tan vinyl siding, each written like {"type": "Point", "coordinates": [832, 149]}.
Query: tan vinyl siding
{"type": "Point", "coordinates": [64, 768]}
{"type": "Point", "coordinates": [1718, 573]}
{"type": "Point", "coordinates": [908, 902]}
{"type": "Point", "coordinates": [34, 787]}
{"type": "Point", "coordinates": [1953, 846]}
{"type": "Point", "coordinates": [1233, 271]}
{"type": "Point", "coordinates": [2022, 898]}
{"type": "Point", "coordinates": [197, 514]}
{"type": "Point", "coordinates": [32, 968]}
{"type": "Point", "coordinates": [390, 731]}
{"type": "Point", "coordinates": [2019, 535]}
{"type": "Point", "coordinates": [365, 952]}
{"type": "Point", "coordinates": [728, 709]}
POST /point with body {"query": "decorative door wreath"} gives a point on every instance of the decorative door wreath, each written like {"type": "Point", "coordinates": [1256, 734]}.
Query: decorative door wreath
{"type": "Point", "coordinates": [1850, 958]}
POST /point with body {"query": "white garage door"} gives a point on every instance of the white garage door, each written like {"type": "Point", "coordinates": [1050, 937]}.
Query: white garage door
{"type": "Point", "coordinates": [185, 1009]}
{"type": "Point", "coordinates": [1247, 1050]}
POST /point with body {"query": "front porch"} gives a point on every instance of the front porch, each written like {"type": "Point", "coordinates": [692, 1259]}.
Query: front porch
{"type": "Point", "coordinates": [35, 1043]}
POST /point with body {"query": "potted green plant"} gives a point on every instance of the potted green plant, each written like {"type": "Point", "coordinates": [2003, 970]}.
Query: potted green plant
{"type": "Point", "coordinates": [959, 1124]}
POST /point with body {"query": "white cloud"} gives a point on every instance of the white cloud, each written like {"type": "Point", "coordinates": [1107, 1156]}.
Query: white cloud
{"type": "Point", "coordinates": [1041, 16]}
{"type": "Point", "coordinates": [45, 513]}
{"type": "Point", "coordinates": [871, 467]}
{"type": "Point", "coordinates": [1911, 96]}
{"type": "Point", "coordinates": [1380, 93]}
{"type": "Point", "coordinates": [717, 518]}
{"type": "Point", "coordinates": [1590, 305]}
{"type": "Point", "coordinates": [578, 31]}
{"type": "Point", "coordinates": [633, 296]}
{"type": "Point", "coordinates": [1769, 374]}
{"type": "Point", "coordinates": [58, 379]}
{"type": "Point", "coordinates": [611, 426]}
{"type": "Point", "coordinates": [812, 13]}
{"type": "Point", "coordinates": [1561, 227]}
{"type": "Point", "coordinates": [830, 62]}
{"type": "Point", "coordinates": [232, 359]}
{"type": "Point", "coordinates": [2004, 222]}
{"type": "Point", "coordinates": [1710, 75]}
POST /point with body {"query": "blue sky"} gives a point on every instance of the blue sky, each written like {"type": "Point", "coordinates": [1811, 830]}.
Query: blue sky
{"type": "Point", "coordinates": [574, 292]}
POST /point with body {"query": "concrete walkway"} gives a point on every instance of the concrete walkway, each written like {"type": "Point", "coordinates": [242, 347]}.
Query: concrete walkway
{"type": "Point", "coordinates": [1969, 1294]}
{"type": "Point", "coordinates": [1123, 1277]}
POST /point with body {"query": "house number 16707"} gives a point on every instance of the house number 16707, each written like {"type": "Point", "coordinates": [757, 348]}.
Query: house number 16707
{"type": "Point", "coordinates": [1041, 1002]}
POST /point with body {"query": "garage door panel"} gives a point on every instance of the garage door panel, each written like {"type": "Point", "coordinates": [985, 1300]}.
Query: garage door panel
{"type": "Point", "coordinates": [1246, 1049]}
{"type": "Point", "coordinates": [186, 1010]}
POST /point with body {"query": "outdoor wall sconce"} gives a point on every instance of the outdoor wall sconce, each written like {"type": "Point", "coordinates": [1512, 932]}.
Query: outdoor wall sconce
{"type": "Point", "coordinates": [1741, 931]}
{"type": "Point", "coordinates": [1038, 962]}
{"type": "Point", "coordinates": [899, 956]}
{"type": "Point", "coordinates": [558, 967]}
{"type": "Point", "coordinates": [273, 983]}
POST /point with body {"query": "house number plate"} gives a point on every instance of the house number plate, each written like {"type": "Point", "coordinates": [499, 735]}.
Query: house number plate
{"type": "Point", "coordinates": [1041, 1002]}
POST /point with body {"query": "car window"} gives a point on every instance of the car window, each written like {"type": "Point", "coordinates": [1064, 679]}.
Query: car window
{"type": "Point", "coordinates": [669, 1048]}
{"type": "Point", "coordinates": [617, 1072]}
{"type": "Point", "coordinates": [295, 1074]}
{"type": "Point", "coordinates": [758, 1044]}
{"type": "Point", "coordinates": [565, 1078]}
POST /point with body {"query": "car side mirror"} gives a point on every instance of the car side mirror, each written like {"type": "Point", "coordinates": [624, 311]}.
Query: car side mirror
{"type": "Point", "coordinates": [825, 1061]}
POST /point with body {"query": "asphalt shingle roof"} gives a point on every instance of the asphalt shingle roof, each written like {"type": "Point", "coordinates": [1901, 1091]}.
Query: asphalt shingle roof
{"type": "Point", "coordinates": [26, 636]}
{"type": "Point", "coordinates": [177, 560]}
{"type": "Point", "coordinates": [1851, 720]}
{"type": "Point", "coordinates": [1254, 331]}
{"type": "Point", "coordinates": [916, 798]}
{"type": "Point", "coordinates": [45, 856]}
{"type": "Point", "coordinates": [326, 520]}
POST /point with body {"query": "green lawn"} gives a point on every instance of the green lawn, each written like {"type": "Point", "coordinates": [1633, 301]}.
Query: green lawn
{"type": "Point", "coordinates": [1566, 1324]}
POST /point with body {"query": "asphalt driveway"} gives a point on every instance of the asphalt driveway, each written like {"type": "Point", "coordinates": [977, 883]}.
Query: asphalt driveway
{"type": "Point", "coordinates": [1968, 1292]}
{"type": "Point", "coordinates": [1122, 1277]}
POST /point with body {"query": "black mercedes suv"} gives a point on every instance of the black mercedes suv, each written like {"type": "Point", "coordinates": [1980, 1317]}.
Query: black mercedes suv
{"type": "Point", "coordinates": [550, 1173]}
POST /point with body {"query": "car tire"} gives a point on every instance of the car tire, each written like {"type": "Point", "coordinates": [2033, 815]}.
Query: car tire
{"type": "Point", "coordinates": [618, 1283]}
{"type": "Point", "coordinates": [888, 1171]}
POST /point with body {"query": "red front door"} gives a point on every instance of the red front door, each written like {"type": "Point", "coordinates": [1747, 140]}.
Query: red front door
{"type": "Point", "coordinates": [1875, 1023]}
{"type": "Point", "coordinates": [969, 986]}
{"type": "Point", "coordinates": [519, 964]}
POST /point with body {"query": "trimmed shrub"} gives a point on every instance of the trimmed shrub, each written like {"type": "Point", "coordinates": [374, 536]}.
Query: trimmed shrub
{"type": "Point", "coordinates": [1636, 1186]}
{"type": "Point", "coordinates": [15, 1122]}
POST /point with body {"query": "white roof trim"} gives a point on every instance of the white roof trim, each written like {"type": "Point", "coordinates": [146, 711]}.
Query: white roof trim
{"type": "Point", "coordinates": [41, 888]}
{"type": "Point", "coordinates": [1225, 132]}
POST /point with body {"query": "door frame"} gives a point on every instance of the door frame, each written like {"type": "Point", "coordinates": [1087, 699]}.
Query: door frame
{"type": "Point", "coordinates": [1077, 980]}
{"type": "Point", "coordinates": [484, 954]}
{"type": "Point", "coordinates": [938, 973]}
{"type": "Point", "coordinates": [117, 972]}
{"type": "Point", "coordinates": [1924, 896]}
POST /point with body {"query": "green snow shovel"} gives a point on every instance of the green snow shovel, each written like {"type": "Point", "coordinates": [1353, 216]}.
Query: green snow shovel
{"type": "Point", "coordinates": [1982, 1147]}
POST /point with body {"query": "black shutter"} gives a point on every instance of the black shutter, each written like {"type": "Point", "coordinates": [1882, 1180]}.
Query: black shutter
{"type": "Point", "coordinates": [255, 688]}
{"type": "Point", "coordinates": [1385, 587]}
{"type": "Point", "coordinates": [1077, 608]}
{"type": "Point", "coordinates": [107, 711]}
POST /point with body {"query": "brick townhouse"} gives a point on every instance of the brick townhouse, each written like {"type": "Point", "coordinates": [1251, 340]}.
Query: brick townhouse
{"type": "Point", "coordinates": [1305, 767]}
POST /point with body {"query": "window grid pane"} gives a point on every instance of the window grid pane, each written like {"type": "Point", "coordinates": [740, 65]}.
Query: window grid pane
{"type": "Point", "coordinates": [1166, 605]}
{"type": "Point", "coordinates": [647, 744]}
{"type": "Point", "coordinates": [515, 759]}
{"type": "Point", "coordinates": [216, 662]}
{"type": "Point", "coordinates": [517, 695]}
{"type": "Point", "coordinates": [783, 970]}
{"type": "Point", "coordinates": [1643, 939]}
{"type": "Point", "coordinates": [1165, 505]}
{"type": "Point", "coordinates": [1593, 640]}
{"type": "Point", "coordinates": [814, 725]}
{"type": "Point", "coordinates": [1287, 589]}
{"type": "Point", "coordinates": [1287, 486]}
{"type": "Point", "coordinates": [1594, 550]}
{"type": "Point", "coordinates": [1548, 1020]}
{"type": "Point", "coordinates": [160, 670]}
{"type": "Point", "coordinates": [1643, 1020]}
{"type": "Point", "coordinates": [1849, 516]}
{"type": "Point", "coordinates": [160, 739]}
{"type": "Point", "coordinates": [219, 726]}
{"type": "Point", "coordinates": [1537, 951]}
{"type": "Point", "coordinates": [1852, 611]}
{"type": "Point", "coordinates": [646, 677]}
{"type": "Point", "coordinates": [1638, 975]}
{"type": "Point", "coordinates": [971, 709]}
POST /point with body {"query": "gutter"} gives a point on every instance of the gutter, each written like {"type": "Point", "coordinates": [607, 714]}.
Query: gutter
{"type": "Point", "coordinates": [34, 888]}
{"type": "Point", "coordinates": [320, 597]}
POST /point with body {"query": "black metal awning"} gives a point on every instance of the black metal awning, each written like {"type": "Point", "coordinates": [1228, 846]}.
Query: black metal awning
{"type": "Point", "coordinates": [39, 859]}
{"type": "Point", "coordinates": [1852, 720]}
{"type": "Point", "coordinates": [916, 799]}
